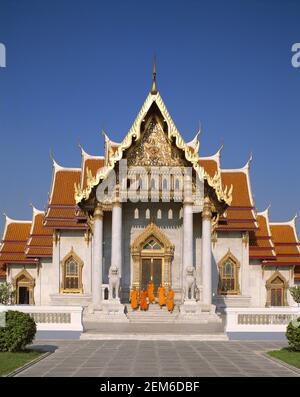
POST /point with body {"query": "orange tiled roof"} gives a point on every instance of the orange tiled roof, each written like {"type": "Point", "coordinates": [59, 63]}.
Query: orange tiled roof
{"type": "Point", "coordinates": [286, 244]}
{"type": "Point", "coordinates": [40, 240]}
{"type": "Point", "coordinates": [14, 242]}
{"type": "Point", "coordinates": [210, 166]}
{"type": "Point", "coordinates": [240, 214]}
{"type": "Point", "coordinates": [93, 165]}
{"type": "Point", "coordinates": [261, 245]}
{"type": "Point", "coordinates": [61, 212]}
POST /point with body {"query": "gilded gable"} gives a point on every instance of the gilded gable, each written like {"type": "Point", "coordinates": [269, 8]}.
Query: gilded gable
{"type": "Point", "coordinates": [154, 148]}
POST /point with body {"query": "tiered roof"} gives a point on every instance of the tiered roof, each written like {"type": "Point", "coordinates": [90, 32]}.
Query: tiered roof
{"type": "Point", "coordinates": [40, 239]}
{"type": "Point", "coordinates": [261, 243]}
{"type": "Point", "coordinates": [240, 215]}
{"type": "Point", "coordinates": [61, 209]}
{"type": "Point", "coordinates": [25, 242]}
{"type": "Point", "coordinates": [287, 246]}
{"type": "Point", "coordinates": [15, 237]}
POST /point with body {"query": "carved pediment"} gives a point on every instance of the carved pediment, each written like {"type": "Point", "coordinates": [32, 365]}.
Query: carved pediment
{"type": "Point", "coordinates": [154, 148]}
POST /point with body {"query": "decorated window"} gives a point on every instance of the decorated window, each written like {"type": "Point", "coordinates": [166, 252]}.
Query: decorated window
{"type": "Point", "coordinates": [229, 275]}
{"type": "Point", "coordinates": [276, 290]}
{"type": "Point", "coordinates": [72, 274]}
{"type": "Point", "coordinates": [152, 245]}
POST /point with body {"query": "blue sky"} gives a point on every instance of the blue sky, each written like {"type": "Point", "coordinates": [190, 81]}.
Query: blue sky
{"type": "Point", "coordinates": [74, 67]}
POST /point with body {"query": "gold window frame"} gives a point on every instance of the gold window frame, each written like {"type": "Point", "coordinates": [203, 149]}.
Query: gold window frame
{"type": "Point", "coordinates": [236, 269]}
{"type": "Point", "coordinates": [284, 285]}
{"type": "Point", "coordinates": [80, 263]}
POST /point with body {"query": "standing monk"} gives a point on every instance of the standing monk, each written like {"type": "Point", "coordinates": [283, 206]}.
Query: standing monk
{"type": "Point", "coordinates": [151, 292]}
{"type": "Point", "coordinates": [143, 297]}
{"type": "Point", "coordinates": [170, 300]}
{"type": "Point", "coordinates": [134, 298]}
{"type": "Point", "coordinates": [161, 296]}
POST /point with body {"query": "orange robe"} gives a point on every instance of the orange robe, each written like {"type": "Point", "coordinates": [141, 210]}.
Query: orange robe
{"type": "Point", "coordinates": [134, 299]}
{"type": "Point", "coordinates": [170, 300]}
{"type": "Point", "coordinates": [161, 296]}
{"type": "Point", "coordinates": [143, 303]}
{"type": "Point", "coordinates": [151, 292]}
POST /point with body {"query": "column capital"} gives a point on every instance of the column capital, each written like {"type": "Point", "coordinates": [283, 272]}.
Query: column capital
{"type": "Point", "coordinates": [206, 213]}
{"type": "Point", "coordinates": [98, 213]}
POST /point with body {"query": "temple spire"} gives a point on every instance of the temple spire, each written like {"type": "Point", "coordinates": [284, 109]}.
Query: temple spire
{"type": "Point", "coordinates": [154, 88]}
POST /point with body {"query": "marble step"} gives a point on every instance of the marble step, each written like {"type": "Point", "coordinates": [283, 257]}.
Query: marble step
{"type": "Point", "coordinates": [148, 336]}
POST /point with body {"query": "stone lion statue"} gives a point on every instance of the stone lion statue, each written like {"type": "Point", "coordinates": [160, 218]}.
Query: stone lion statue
{"type": "Point", "coordinates": [189, 282]}
{"type": "Point", "coordinates": [114, 282]}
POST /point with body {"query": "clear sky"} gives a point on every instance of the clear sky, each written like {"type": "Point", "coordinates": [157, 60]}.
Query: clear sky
{"type": "Point", "coordinates": [76, 66]}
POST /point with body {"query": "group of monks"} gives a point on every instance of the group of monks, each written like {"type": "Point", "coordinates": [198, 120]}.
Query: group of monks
{"type": "Point", "coordinates": [147, 297]}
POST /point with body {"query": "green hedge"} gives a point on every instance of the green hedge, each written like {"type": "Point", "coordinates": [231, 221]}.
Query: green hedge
{"type": "Point", "coordinates": [18, 332]}
{"type": "Point", "coordinates": [293, 334]}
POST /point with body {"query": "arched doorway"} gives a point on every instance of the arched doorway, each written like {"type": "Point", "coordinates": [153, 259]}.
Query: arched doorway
{"type": "Point", "coordinates": [276, 290]}
{"type": "Point", "coordinates": [152, 254]}
{"type": "Point", "coordinates": [24, 286]}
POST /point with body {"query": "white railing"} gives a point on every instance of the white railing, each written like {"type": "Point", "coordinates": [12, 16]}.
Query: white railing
{"type": "Point", "coordinates": [52, 318]}
{"type": "Point", "coordinates": [265, 319]}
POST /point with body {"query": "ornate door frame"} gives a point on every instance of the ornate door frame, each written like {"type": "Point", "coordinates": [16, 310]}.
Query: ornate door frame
{"type": "Point", "coordinates": [24, 279]}
{"type": "Point", "coordinates": [165, 253]}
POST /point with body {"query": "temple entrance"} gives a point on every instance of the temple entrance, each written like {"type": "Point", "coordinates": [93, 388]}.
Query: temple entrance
{"type": "Point", "coordinates": [23, 294]}
{"type": "Point", "coordinates": [151, 270]}
{"type": "Point", "coordinates": [24, 286]}
{"type": "Point", "coordinates": [152, 254]}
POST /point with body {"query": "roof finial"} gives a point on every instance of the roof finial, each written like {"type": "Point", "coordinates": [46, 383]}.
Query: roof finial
{"type": "Point", "coordinates": [154, 88]}
{"type": "Point", "coordinates": [51, 156]}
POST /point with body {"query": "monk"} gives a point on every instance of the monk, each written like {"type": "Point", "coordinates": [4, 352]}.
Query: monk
{"type": "Point", "coordinates": [161, 296]}
{"type": "Point", "coordinates": [134, 298]}
{"type": "Point", "coordinates": [150, 289]}
{"type": "Point", "coordinates": [170, 300]}
{"type": "Point", "coordinates": [143, 303]}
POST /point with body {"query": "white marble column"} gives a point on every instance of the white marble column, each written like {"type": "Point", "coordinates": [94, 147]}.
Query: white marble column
{"type": "Point", "coordinates": [187, 235]}
{"type": "Point", "coordinates": [116, 236]}
{"type": "Point", "coordinates": [97, 258]}
{"type": "Point", "coordinates": [206, 254]}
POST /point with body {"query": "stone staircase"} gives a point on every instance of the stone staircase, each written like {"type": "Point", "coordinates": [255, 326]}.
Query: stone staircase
{"type": "Point", "coordinates": [154, 314]}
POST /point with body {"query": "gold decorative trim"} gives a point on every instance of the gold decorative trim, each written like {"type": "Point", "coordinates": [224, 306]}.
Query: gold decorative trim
{"type": "Point", "coordinates": [216, 183]}
{"type": "Point", "coordinates": [270, 285]}
{"type": "Point", "coordinates": [237, 265]}
{"type": "Point", "coordinates": [206, 212]}
{"type": "Point", "coordinates": [27, 282]}
{"type": "Point", "coordinates": [166, 254]}
{"type": "Point", "coordinates": [134, 135]}
{"type": "Point", "coordinates": [245, 239]}
{"type": "Point", "coordinates": [80, 263]}
{"type": "Point", "coordinates": [56, 236]}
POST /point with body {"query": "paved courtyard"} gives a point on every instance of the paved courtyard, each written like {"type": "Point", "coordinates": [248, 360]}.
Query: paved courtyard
{"type": "Point", "coordinates": [157, 358]}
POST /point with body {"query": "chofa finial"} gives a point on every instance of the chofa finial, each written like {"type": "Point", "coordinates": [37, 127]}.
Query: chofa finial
{"type": "Point", "coordinates": [154, 88]}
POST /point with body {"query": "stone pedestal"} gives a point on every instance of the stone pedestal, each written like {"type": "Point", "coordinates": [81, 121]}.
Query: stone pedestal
{"type": "Point", "coordinates": [192, 311]}
{"type": "Point", "coordinates": [112, 312]}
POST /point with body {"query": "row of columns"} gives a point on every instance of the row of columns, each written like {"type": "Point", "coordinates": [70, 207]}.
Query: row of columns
{"type": "Point", "coordinates": [116, 247]}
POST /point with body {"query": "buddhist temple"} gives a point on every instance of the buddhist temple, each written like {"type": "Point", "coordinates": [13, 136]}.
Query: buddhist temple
{"type": "Point", "coordinates": [90, 249]}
